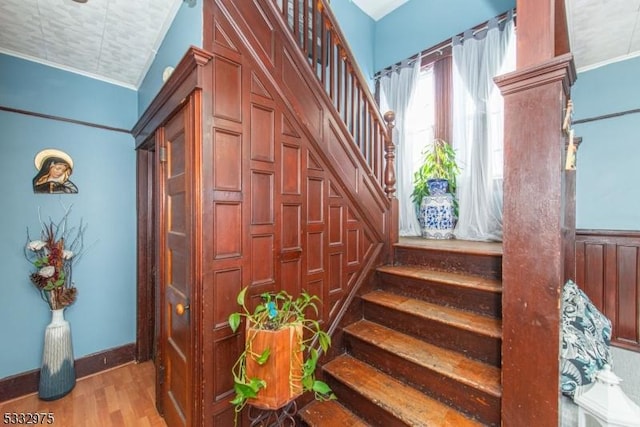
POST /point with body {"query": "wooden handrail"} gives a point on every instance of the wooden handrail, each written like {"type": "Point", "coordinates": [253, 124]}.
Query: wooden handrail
{"type": "Point", "coordinates": [315, 31]}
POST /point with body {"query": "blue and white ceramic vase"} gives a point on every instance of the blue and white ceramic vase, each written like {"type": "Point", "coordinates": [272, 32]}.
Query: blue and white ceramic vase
{"type": "Point", "coordinates": [57, 374]}
{"type": "Point", "coordinates": [438, 186]}
{"type": "Point", "coordinates": [438, 215]}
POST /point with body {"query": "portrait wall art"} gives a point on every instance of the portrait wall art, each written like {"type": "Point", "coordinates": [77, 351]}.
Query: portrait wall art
{"type": "Point", "coordinates": [54, 169]}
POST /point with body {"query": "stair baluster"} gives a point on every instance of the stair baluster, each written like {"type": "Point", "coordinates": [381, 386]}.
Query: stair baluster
{"type": "Point", "coordinates": [317, 34]}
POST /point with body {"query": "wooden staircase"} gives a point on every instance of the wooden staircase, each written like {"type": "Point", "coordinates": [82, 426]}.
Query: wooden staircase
{"type": "Point", "coordinates": [427, 349]}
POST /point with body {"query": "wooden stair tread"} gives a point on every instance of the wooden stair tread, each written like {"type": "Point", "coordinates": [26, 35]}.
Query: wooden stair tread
{"type": "Point", "coordinates": [476, 323]}
{"type": "Point", "coordinates": [329, 413]}
{"type": "Point", "coordinates": [449, 363]}
{"type": "Point", "coordinates": [452, 245]}
{"type": "Point", "coordinates": [404, 402]}
{"type": "Point", "coordinates": [454, 279]}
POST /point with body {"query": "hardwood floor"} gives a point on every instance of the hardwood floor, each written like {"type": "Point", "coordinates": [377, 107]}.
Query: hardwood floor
{"type": "Point", "coordinates": [123, 396]}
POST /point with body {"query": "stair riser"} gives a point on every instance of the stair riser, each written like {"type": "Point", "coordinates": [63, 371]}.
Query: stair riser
{"type": "Point", "coordinates": [477, 301]}
{"type": "Point", "coordinates": [480, 347]}
{"type": "Point", "coordinates": [475, 402]}
{"type": "Point", "coordinates": [489, 266]}
{"type": "Point", "coordinates": [361, 406]}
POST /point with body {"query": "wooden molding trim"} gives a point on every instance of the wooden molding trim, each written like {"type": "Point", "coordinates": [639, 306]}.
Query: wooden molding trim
{"type": "Point", "coordinates": [173, 93]}
{"type": "Point", "coordinates": [584, 233]}
{"type": "Point", "coordinates": [145, 319]}
{"type": "Point", "coordinates": [560, 68]}
{"type": "Point", "coordinates": [607, 116]}
{"type": "Point", "coordinates": [61, 119]}
{"type": "Point", "coordinates": [27, 382]}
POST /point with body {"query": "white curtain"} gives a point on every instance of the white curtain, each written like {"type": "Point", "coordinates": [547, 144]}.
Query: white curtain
{"type": "Point", "coordinates": [397, 89]}
{"type": "Point", "coordinates": [478, 128]}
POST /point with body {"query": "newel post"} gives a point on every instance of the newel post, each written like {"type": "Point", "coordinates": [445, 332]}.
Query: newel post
{"type": "Point", "coordinates": [538, 225]}
{"type": "Point", "coordinates": [390, 156]}
{"type": "Point", "coordinates": [390, 184]}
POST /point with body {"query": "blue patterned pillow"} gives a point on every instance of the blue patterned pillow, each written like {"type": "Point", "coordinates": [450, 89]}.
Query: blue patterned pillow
{"type": "Point", "coordinates": [586, 335]}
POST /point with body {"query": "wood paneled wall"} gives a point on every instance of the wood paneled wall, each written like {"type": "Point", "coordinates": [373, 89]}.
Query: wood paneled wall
{"type": "Point", "coordinates": [287, 202]}
{"type": "Point", "coordinates": [608, 270]}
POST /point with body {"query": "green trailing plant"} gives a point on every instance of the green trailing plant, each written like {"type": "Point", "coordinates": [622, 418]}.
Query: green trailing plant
{"type": "Point", "coordinates": [439, 162]}
{"type": "Point", "coordinates": [275, 312]}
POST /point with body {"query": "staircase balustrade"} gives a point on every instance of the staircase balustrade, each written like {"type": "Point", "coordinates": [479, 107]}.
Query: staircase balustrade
{"type": "Point", "coordinates": [317, 34]}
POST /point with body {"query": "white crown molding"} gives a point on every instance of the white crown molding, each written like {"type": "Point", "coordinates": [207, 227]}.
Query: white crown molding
{"type": "Point", "coordinates": [608, 62]}
{"type": "Point", "coordinates": [67, 68]}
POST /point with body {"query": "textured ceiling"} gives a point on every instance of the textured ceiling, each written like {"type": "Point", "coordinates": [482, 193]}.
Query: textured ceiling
{"type": "Point", "coordinates": [116, 40]}
{"type": "Point", "coordinates": [600, 31]}
{"type": "Point", "coordinates": [603, 31]}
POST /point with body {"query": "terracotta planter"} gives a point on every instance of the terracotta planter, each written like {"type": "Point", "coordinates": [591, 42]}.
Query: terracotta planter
{"type": "Point", "coordinates": [282, 371]}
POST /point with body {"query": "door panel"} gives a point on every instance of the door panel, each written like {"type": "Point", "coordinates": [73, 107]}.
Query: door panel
{"type": "Point", "coordinates": [176, 261]}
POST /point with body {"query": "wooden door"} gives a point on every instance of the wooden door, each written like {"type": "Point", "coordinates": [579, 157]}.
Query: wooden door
{"type": "Point", "coordinates": [176, 273]}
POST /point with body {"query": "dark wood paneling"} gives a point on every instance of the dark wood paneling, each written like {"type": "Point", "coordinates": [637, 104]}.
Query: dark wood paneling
{"type": "Point", "coordinates": [227, 150]}
{"type": "Point", "coordinates": [277, 211]}
{"type": "Point", "coordinates": [27, 382]}
{"type": "Point", "coordinates": [274, 186]}
{"type": "Point", "coordinates": [608, 270]}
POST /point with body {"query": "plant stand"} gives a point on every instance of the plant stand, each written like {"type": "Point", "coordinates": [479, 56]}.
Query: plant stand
{"type": "Point", "coordinates": [284, 416]}
{"type": "Point", "coordinates": [57, 374]}
{"type": "Point", "coordinates": [282, 371]}
{"type": "Point", "coordinates": [437, 211]}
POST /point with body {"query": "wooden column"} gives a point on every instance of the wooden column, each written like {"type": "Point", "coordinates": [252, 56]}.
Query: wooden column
{"type": "Point", "coordinates": [542, 31]}
{"type": "Point", "coordinates": [538, 217]}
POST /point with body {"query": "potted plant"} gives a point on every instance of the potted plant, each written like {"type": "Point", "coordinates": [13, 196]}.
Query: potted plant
{"type": "Point", "coordinates": [280, 356]}
{"type": "Point", "coordinates": [436, 177]}
{"type": "Point", "coordinates": [439, 165]}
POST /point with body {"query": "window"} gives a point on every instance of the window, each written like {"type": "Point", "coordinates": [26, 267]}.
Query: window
{"type": "Point", "coordinates": [494, 118]}
{"type": "Point", "coordinates": [435, 93]}
{"type": "Point", "coordinates": [421, 116]}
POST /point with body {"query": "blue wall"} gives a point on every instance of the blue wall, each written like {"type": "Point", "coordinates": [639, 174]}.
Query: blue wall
{"type": "Point", "coordinates": [420, 24]}
{"type": "Point", "coordinates": [30, 86]}
{"type": "Point", "coordinates": [359, 30]}
{"type": "Point", "coordinates": [411, 28]}
{"type": "Point", "coordinates": [104, 315]}
{"type": "Point", "coordinates": [185, 31]}
{"type": "Point", "coordinates": [608, 172]}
